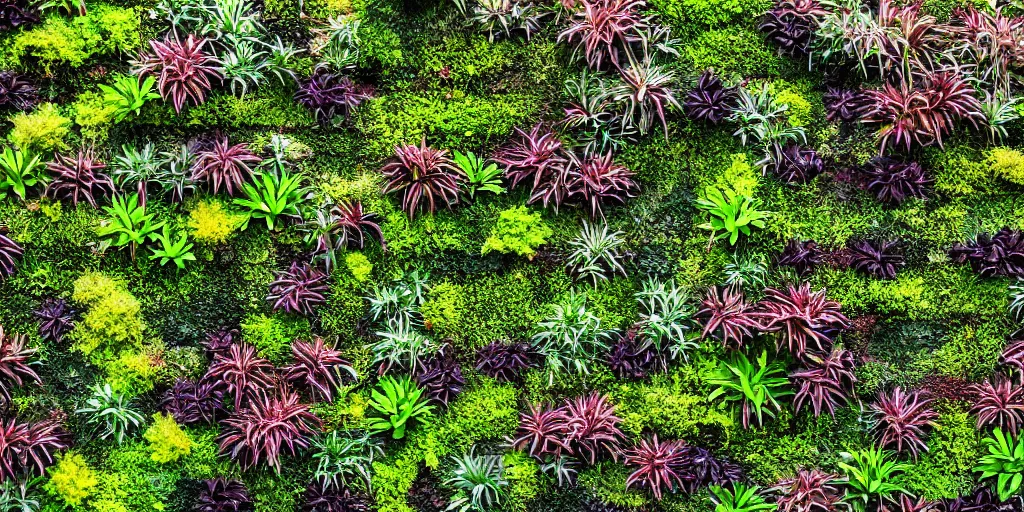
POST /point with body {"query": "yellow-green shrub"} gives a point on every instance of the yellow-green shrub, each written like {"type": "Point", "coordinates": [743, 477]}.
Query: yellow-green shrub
{"type": "Point", "coordinates": [92, 116]}
{"type": "Point", "coordinates": [71, 480]}
{"type": "Point", "coordinates": [112, 322]}
{"type": "Point", "coordinates": [71, 41]}
{"type": "Point", "coordinates": [517, 231]}
{"type": "Point", "coordinates": [134, 372]}
{"type": "Point", "coordinates": [212, 223]}
{"type": "Point", "coordinates": [166, 439]}
{"type": "Point", "coordinates": [359, 265]}
{"type": "Point", "coordinates": [44, 129]}
{"type": "Point", "coordinates": [1006, 163]}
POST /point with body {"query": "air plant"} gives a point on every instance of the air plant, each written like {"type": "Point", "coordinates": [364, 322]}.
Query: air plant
{"type": "Point", "coordinates": [801, 318]}
{"type": "Point", "coordinates": [440, 378]}
{"type": "Point", "coordinates": [136, 168]}
{"type": "Point", "coordinates": [345, 460]}
{"type": "Point", "coordinates": [876, 258]}
{"type": "Point", "coordinates": [16, 91]}
{"type": "Point", "coordinates": [221, 163]}
{"type": "Point", "coordinates": [537, 157]}
{"type": "Point", "coordinates": [602, 28]}
{"type": "Point", "coordinates": [543, 431]}
{"type": "Point", "coordinates": [595, 120]}
{"type": "Point", "coordinates": [424, 176]}
{"type": "Point", "coordinates": [999, 403]}
{"type": "Point", "coordinates": [14, 364]}
{"type": "Point", "coordinates": [746, 270]}
{"type": "Point", "coordinates": [658, 466]}
{"type": "Point", "coordinates": [10, 253]}
{"type": "Point", "coordinates": [336, 227]}
{"type": "Point", "coordinates": [666, 317]}
{"type": "Point", "coordinates": [791, 24]}
{"type": "Point", "coordinates": [56, 318]}
{"type": "Point", "coordinates": [1016, 305]}
{"type": "Point", "coordinates": [570, 338]}
{"type": "Point", "coordinates": [190, 402]}
{"type": "Point", "coordinates": [646, 92]}
{"type": "Point", "coordinates": [78, 178]}
{"type": "Point", "coordinates": [901, 418]}
{"type": "Point", "coordinates": [710, 100]}
{"type": "Point", "coordinates": [809, 491]}
{"type": "Point", "coordinates": [505, 17]}
{"type": "Point", "coordinates": [223, 495]}
{"type": "Point", "coordinates": [1001, 254]}
{"type": "Point", "coordinates": [481, 478]}
{"type": "Point", "coordinates": [801, 256]}
{"type": "Point", "coordinates": [893, 182]}
{"type": "Point", "coordinates": [728, 316]}
{"type": "Point", "coordinates": [755, 386]}
{"type": "Point", "coordinates": [318, 367]}
{"type": "Point", "coordinates": [401, 345]}
{"type": "Point", "coordinates": [183, 69]}
{"type": "Point", "coordinates": [596, 253]}
{"type": "Point", "coordinates": [271, 426]}
{"type": "Point", "coordinates": [17, 13]}
{"type": "Point", "coordinates": [844, 105]}
{"type": "Point", "coordinates": [298, 290]}
{"type": "Point", "coordinates": [593, 427]}
{"type": "Point", "coordinates": [28, 448]}
{"type": "Point", "coordinates": [111, 413]}
{"type": "Point", "coordinates": [328, 95]}
{"type": "Point", "coordinates": [633, 358]}
{"type": "Point", "coordinates": [797, 165]}
{"type": "Point", "coordinates": [504, 361]}
{"type": "Point", "coordinates": [241, 373]}
{"type": "Point", "coordinates": [991, 40]}
{"type": "Point", "coordinates": [595, 179]}
{"type": "Point", "coordinates": [320, 498]}
{"type": "Point", "coordinates": [825, 382]}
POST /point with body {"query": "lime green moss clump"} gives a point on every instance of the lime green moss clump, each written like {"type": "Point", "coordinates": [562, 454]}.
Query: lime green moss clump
{"type": "Point", "coordinates": [166, 439]}
{"type": "Point", "coordinates": [518, 231]}
{"type": "Point", "coordinates": [43, 129]}
{"type": "Point", "coordinates": [72, 480]}
{"type": "Point", "coordinates": [112, 321]}
{"type": "Point", "coordinates": [71, 42]}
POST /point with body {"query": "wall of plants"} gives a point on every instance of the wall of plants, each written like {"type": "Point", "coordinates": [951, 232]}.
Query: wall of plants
{"type": "Point", "coordinates": [511, 255]}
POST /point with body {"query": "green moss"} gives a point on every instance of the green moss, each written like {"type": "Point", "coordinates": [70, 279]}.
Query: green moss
{"type": "Point", "coordinates": [958, 170]}
{"type": "Point", "coordinates": [517, 231]}
{"type": "Point", "coordinates": [732, 51]}
{"type": "Point", "coordinates": [112, 322]}
{"type": "Point", "coordinates": [359, 265]}
{"type": "Point", "coordinates": [606, 481]}
{"type": "Point", "coordinates": [273, 335]}
{"type": "Point", "coordinates": [693, 15]}
{"type": "Point", "coordinates": [525, 481]}
{"type": "Point", "coordinates": [944, 471]}
{"type": "Point", "coordinates": [166, 439]}
{"type": "Point", "coordinates": [105, 30]}
{"type": "Point", "coordinates": [41, 130]}
{"type": "Point", "coordinates": [71, 480]}
{"type": "Point", "coordinates": [486, 410]}
{"type": "Point", "coordinates": [674, 405]}
{"type": "Point", "coordinates": [1006, 163]}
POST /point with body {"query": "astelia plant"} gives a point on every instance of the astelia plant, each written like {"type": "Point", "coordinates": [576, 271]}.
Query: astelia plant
{"type": "Point", "coordinates": [504, 362]}
{"type": "Point", "coordinates": [809, 491]}
{"type": "Point", "coordinates": [999, 403]}
{"type": "Point", "coordinates": [596, 253]}
{"type": "Point", "coordinates": [1003, 464]}
{"type": "Point", "coordinates": [646, 93]}
{"type": "Point", "coordinates": [729, 214]}
{"type": "Point", "coordinates": [273, 197]}
{"type": "Point", "coordinates": [318, 367]}
{"type": "Point", "coordinates": [20, 171]}
{"type": "Point", "coordinates": [999, 254]}
{"type": "Point", "coordinates": [710, 100]}
{"type": "Point", "coordinates": [16, 91]}
{"type": "Point", "coordinates": [657, 466]}
{"type": "Point", "coordinates": [804, 321]}
{"type": "Point", "coordinates": [222, 164]}
{"type": "Point", "coordinates": [824, 381]}
{"type": "Point", "coordinates": [137, 168]}
{"type": "Point", "coordinates": [345, 460]}
{"type": "Point", "coordinates": [172, 247]}
{"type": "Point", "coordinates": [56, 318]}
{"type": "Point", "coordinates": [78, 178]}
{"type": "Point", "coordinates": [223, 495]}
{"type": "Point", "coordinates": [727, 316]}
{"type": "Point", "coordinates": [15, 369]}
{"type": "Point", "coordinates": [481, 175]}
{"type": "Point", "coordinates": [183, 69]}
{"type": "Point", "coordinates": [802, 256]}
{"type": "Point", "coordinates": [329, 95]}
{"type": "Point", "coordinates": [507, 17]}
{"type": "Point", "coordinates": [241, 374]}
{"type": "Point", "coordinates": [740, 498]}
{"type": "Point", "coordinates": [29, 448]}
{"type": "Point", "coordinates": [593, 428]}
{"type": "Point", "coordinates": [10, 253]}
{"type": "Point", "coordinates": [876, 258]}
{"type": "Point", "coordinates": [400, 404]}
{"type": "Point", "coordinates": [666, 317]}
{"type": "Point", "coordinates": [129, 225]}
{"type": "Point", "coordinates": [273, 425]}
{"type": "Point", "coordinates": [401, 345]}
{"type": "Point", "coordinates": [110, 412]}
{"type": "Point", "coordinates": [128, 94]}
{"type": "Point", "coordinates": [869, 477]}
{"type": "Point", "coordinates": [543, 431]}
{"type": "Point", "coordinates": [480, 480]}
{"type": "Point", "coordinates": [900, 420]}
{"type": "Point", "coordinates": [756, 386]}
{"type": "Point", "coordinates": [570, 337]}
{"type": "Point", "coordinates": [298, 290]}
{"type": "Point", "coordinates": [424, 176]}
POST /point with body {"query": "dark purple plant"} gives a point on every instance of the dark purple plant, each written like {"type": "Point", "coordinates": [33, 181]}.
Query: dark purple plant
{"type": "Point", "coordinates": [504, 361]}
{"type": "Point", "coordinates": [809, 491]}
{"type": "Point", "coordinates": [220, 163]}
{"type": "Point", "coordinates": [633, 358]}
{"type": "Point", "coordinates": [29, 448]}
{"type": "Point", "coordinates": [16, 91]}
{"type": "Point", "coordinates": [272, 426]}
{"type": "Point", "coordinates": [658, 466]}
{"type": "Point", "coordinates": [705, 469]}
{"type": "Point", "coordinates": [220, 341]}
{"type": "Point", "coordinates": [900, 420]}
{"type": "Point", "coordinates": [17, 13]}
{"type": "Point", "coordinates": [826, 382]}
{"type": "Point", "coordinates": [14, 364]}
{"type": "Point", "coordinates": [328, 94]}
{"type": "Point", "coordinates": [876, 258]}
{"type": "Point", "coordinates": [801, 318]}
{"type": "Point", "coordinates": [801, 256]}
{"type": "Point", "coordinates": [844, 105]}
{"type": "Point", "coordinates": [440, 378]}
{"type": "Point", "coordinates": [56, 318]}
{"type": "Point", "coordinates": [423, 175]}
{"type": "Point", "coordinates": [78, 178]}
{"type": "Point", "coordinates": [998, 403]}
{"type": "Point", "coordinates": [1001, 254]}
{"type": "Point", "coordinates": [797, 165]}
{"type": "Point", "coordinates": [298, 290]}
{"type": "Point", "coordinates": [241, 374]}
{"type": "Point", "coordinates": [10, 253]}
{"type": "Point", "coordinates": [791, 24]}
{"type": "Point", "coordinates": [710, 100]}
{"type": "Point", "coordinates": [318, 367]}
{"type": "Point", "coordinates": [593, 427]}
{"type": "Point", "coordinates": [595, 179]}
{"type": "Point", "coordinates": [982, 499]}
{"type": "Point", "coordinates": [328, 498]}
{"type": "Point", "coordinates": [537, 157]}
{"type": "Point", "coordinates": [602, 27]}
{"type": "Point", "coordinates": [189, 402]}
{"type": "Point", "coordinates": [543, 430]}
{"type": "Point", "coordinates": [223, 495]}
{"type": "Point", "coordinates": [1013, 356]}
{"type": "Point", "coordinates": [893, 182]}
{"type": "Point", "coordinates": [727, 316]}
{"type": "Point", "coordinates": [183, 70]}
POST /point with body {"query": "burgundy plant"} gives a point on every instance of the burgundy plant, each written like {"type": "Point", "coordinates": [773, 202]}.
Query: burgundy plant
{"type": "Point", "coordinates": [440, 378]}
{"type": "Point", "coordinates": [1013, 356]}
{"type": "Point", "coordinates": [801, 256]}
{"type": "Point", "coordinates": [801, 318]}
{"type": "Point", "coordinates": [982, 499]}
{"type": "Point", "coordinates": [893, 182]}
{"type": "Point", "coordinates": [998, 403]}
{"type": "Point", "coordinates": [14, 364]}
{"type": "Point", "coordinates": [826, 382]}
{"type": "Point", "coordinates": [844, 105]}
{"type": "Point", "coordinates": [328, 95]}
{"type": "Point", "coordinates": [16, 91]}
{"type": "Point", "coordinates": [272, 426]}
{"type": "Point", "coordinates": [298, 290]}
{"type": "Point", "coordinates": [791, 24]}
{"type": "Point", "coordinates": [593, 427]}
{"type": "Point", "coordinates": [900, 420]}
{"type": "Point", "coordinates": [189, 402]}
{"type": "Point", "coordinates": [223, 495]}
{"type": "Point", "coordinates": [10, 253]}
{"type": "Point", "coordinates": [797, 165]}
{"type": "Point", "coordinates": [809, 491]}
{"type": "Point", "coordinates": [220, 163]}
{"type": "Point", "coordinates": [727, 316]}
{"type": "Point", "coordinates": [595, 179]}
{"type": "Point", "coordinates": [29, 448]}
{"type": "Point", "coordinates": [602, 27]}
{"type": "Point", "coordinates": [876, 258]}
{"type": "Point", "coordinates": [538, 158]}
{"type": "Point", "coordinates": [422, 173]}
{"type": "Point", "coordinates": [56, 318]}
{"type": "Point", "coordinates": [656, 465]}
{"type": "Point", "coordinates": [17, 13]}
{"type": "Point", "coordinates": [647, 93]}
{"type": "Point", "coordinates": [1001, 254]}
{"type": "Point", "coordinates": [543, 430]}
{"type": "Point", "coordinates": [710, 100]}
{"type": "Point", "coordinates": [906, 503]}
{"type": "Point", "coordinates": [348, 221]}
{"type": "Point", "coordinates": [241, 373]}
{"type": "Point", "coordinates": [318, 367]}
{"type": "Point", "coordinates": [183, 70]}
{"type": "Point", "coordinates": [221, 341]}
{"type": "Point", "coordinates": [634, 358]}
{"type": "Point", "coordinates": [504, 361]}
{"type": "Point", "coordinates": [705, 469]}
{"type": "Point", "coordinates": [78, 178]}
{"type": "Point", "coordinates": [329, 498]}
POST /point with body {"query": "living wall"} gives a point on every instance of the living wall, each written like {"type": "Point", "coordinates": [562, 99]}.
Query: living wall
{"type": "Point", "coordinates": [501, 255]}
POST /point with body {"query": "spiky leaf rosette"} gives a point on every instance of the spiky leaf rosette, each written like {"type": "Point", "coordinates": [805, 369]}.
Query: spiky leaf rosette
{"type": "Point", "coordinates": [342, 225]}
{"type": "Point", "coordinates": [299, 289]}
{"type": "Point", "coordinates": [504, 361]}
{"type": "Point", "coordinates": [876, 258]}
{"type": "Point", "coordinates": [424, 176]}
{"type": "Point", "coordinates": [595, 179]}
{"type": "Point", "coordinates": [727, 316]}
{"type": "Point", "coordinates": [16, 91]}
{"type": "Point", "coordinates": [220, 341]}
{"type": "Point", "coordinates": [710, 100]}
{"type": "Point", "coordinates": [220, 163]}
{"type": "Point", "coordinates": [10, 253]}
{"type": "Point", "coordinates": [318, 367]}
{"type": "Point", "coordinates": [328, 94]}
{"type": "Point", "coordinates": [78, 178]}
{"type": "Point", "coordinates": [440, 378]}
{"type": "Point", "coordinates": [189, 402]}
{"type": "Point", "coordinates": [240, 373]}
{"type": "Point", "coordinates": [631, 357]}
{"type": "Point", "coordinates": [29, 448]}
{"type": "Point", "coordinates": [223, 495]}
{"type": "Point", "coordinates": [1001, 254]}
{"type": "Point", "coordinates": [56, 318]}
{"type": "Point", "coordinates": [826, 382]}
{"type": "Point", "coordinates": [537, 157]}
{"type": "Point", "coordinates": [602, 27]}
{"type": "Point", "coordinates": [809, 491]}
{"type": "Point", "coordinates": [801, 256]}
{"type": "Point", "coordinates": [183, 70]}
{"type": "Point", "coordinates": [800, 318]}
{"type": "Point", "coordinates": [791, 23]}
{"type": "Point", "coordinates": [998, 403]}
{"type": "Point", "coordinates": [705, 469]}
{"type": "Point", "coordinates": [543, 431]}
{"type": "Point", "coordinates": [593, 427]}
{"type": "Point", "coordinates": [272, 426]}
{"type": "Point", "coordinates": [329, 498]}
{"type": "Point", "coordinates": [1013, 356]}
{"type": "Point", "coordinates": [893, 182]}
{"type": "Point", "coordinates": [14, 364]}
{"type": "Point", "coordinates": [658, 466]}
{"type": "Point", "coordinates": [797, 165]}
{"type": "Point", "coordinates": [982, 499]}
{"type": "Point", "coordinates": [900, 420]}
{"type": "Point", "coordinates": [844, 105]}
